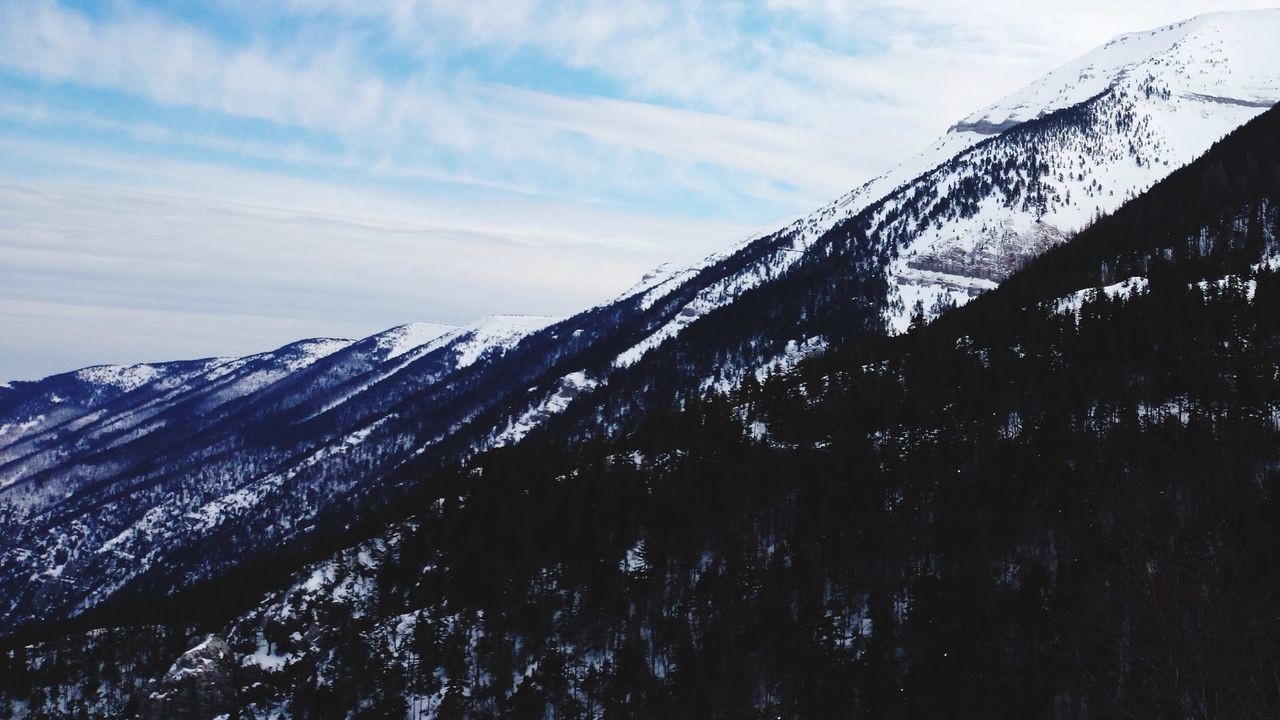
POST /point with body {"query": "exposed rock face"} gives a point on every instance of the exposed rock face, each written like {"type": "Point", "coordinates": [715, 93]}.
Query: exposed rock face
{"type": "Point", "coordinates": [199, 686]}
{"type": "Point", "coordinates": [994, 255]}
{"type": "Point", "coordinates": [984, 126]}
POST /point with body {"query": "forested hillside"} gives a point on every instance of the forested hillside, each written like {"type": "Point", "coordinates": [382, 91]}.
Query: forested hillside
{"type": "Point", "coordinates": [127, 492]}
{"type": "Point", "coordinates": [1058, 501]}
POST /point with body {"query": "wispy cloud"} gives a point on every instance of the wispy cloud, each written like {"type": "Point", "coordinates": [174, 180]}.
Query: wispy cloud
{"type": "Point", "coordinates": [353, 159]}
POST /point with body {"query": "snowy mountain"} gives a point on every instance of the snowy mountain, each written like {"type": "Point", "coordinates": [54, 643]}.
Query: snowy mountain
{"type": "Point", "coordinates": [980, 201]}
{"type": "Point", "coordinates": [1053, 502]}
{"type": "Point", "coordinates": [154, 477]}
{"type": "Point", "coordinates": [1142, 104]}
{"type": "Point", "coordinates": [109, 472]}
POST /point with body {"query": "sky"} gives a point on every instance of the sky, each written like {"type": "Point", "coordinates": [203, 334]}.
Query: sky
{"type": "Point", "coordinates": [189, 179]}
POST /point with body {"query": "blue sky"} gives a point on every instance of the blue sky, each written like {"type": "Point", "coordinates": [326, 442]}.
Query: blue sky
{"type": "Point", "coordinates": [184, 179]}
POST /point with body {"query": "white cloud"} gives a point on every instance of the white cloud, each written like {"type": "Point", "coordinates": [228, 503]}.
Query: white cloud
{"type": "Point", "coordinates": [497, 129]}
{"type": "Point", "coordinates": [61, 335]}
{"type": "Point", "coordinates": [303, 260]}
{"type": "Point", "coordinates": [433, 188]}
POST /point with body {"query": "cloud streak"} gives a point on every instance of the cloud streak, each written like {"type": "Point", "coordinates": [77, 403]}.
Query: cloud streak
{"type": "Point", "coordinates": [350, 160]}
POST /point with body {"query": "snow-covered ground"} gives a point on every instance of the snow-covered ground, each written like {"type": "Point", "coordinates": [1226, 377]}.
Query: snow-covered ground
{"type": "Point", "coordinates": [1162, 98]}
{"type": "Point", "coordinates": [950, 223]}
{"type": "Point", "coordinates": [1121, 290]}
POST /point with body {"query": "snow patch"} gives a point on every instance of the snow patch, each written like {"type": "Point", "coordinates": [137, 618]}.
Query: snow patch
{"type": "Point", "coordinates": [1072, 303]}
{"type": "Point", "coordinates": [126, 377]}
{"type": "Point", "coordinates": [633, 561]}
{"type": "Point", "coordinates": [567, 389]}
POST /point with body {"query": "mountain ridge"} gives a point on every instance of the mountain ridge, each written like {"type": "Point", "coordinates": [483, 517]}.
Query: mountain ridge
{"type": "Point", "coordinates": [258, 458]}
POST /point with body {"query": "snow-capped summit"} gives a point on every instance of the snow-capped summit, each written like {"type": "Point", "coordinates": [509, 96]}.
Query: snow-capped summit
{"type": "Point", "coordinates": [1226, 57]}
{"type": "Point", "coordinates": [1098, 130]}
{"type": "Point", "coordinates": [970, 208]}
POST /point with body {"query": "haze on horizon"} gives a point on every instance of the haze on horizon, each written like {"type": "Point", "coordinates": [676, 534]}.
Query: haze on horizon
{"type": "Point", "coordinates": [180, 183]}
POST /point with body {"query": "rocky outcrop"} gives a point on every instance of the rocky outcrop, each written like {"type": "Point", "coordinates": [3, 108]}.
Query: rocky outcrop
{"type": "Point", "coordinates": [984, 126]}
{"type": "Point", "coordinates": [994, 255]}
{"type": "Point", "coordinates": [199, 686]}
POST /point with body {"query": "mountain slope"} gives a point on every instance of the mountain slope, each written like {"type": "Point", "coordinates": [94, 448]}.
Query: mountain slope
{"type": "Point", "coordinates": [135, 475]}
{"type": "Point", "coordinates": [175, 481]}
{"type": "Point", "coordinates": [1027, 508]}
{"type": "Point", "coordinates": [1014, 511]}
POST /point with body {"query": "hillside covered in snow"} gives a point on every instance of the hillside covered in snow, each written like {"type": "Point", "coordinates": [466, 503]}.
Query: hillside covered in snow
{"type": "Point", "coordinates": [125, 483]}
{"type": "Point", "coordinates": [1059, 501]}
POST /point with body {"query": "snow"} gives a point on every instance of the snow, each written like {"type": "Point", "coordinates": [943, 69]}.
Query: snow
{"type": "Point", "coordinates": [203, 644]}
{"type": "Point", "coordinates": [285, 360]}
{"type": "Point", "coordinates": [125, 377]}
{"type": "Point", "coordinates": [158, 521]}
{"type": "Point", "coordinates": [801, 233]}
{"type": "Point", "coordinates": [928, 288]}
{"type": "Point", "coordinates": [177, 670]}
{"type": "Point", "coordinates": [1185, 86]}
{"type": "Point", "coordinates": [1270, 263]}
{"type": "Point", "coordinates": [114, 554]}
{"type": "Point", "coordinates": [359, 436]}
{"type": "Point", "coordinates": [309, 351]}
{"type": "Point", "coordinates": [1123, 289]}
{"type": "Point", "coordinates": [1136, 285]}
{"type": "Point", "coordinates": [944, 148]}
{"type": "Point", "coordinates": [22, 427]}
{"type": "Point", "coordinates": [1193, 52]}
{"type": "Point", "coordinates": [319, 578]}
{"type": "Point", "coordinates": [567, 389]}
{"type": "Point", "coordinates": [280, 364]}
{"type": "Point", "coordinates": [726, 290]}
{"type": "Point", "coordinates": [404, 344]}
{"type": "Point", "coordinates": [660, 275]}
{"type": "Point", "coordinates": [1188, 85]}
{"type": "Point", "coordinates": [1218, 71]}
{"type": "Point", "coordinates": [785, 361]}
{"type": "Point", "coordinates": [633, 561]}
{"type": "Point", "coordinates": [496, 331]}
{"type": "Point", "coordinates": [400, 340]}
{"type": "Point", "coordinates": [683, 319]}
{"type": "Point", "coordinates": [1249, 286]}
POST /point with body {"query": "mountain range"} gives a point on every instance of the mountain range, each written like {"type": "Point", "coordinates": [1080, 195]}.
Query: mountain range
{"type": "Point", "coordinates": [358, 467]}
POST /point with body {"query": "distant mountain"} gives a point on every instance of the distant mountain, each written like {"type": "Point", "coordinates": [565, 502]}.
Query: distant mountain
{"type": "Point", "coordinates": [153, 478]}
{"type": "Point", "coordinates": [109, 472]}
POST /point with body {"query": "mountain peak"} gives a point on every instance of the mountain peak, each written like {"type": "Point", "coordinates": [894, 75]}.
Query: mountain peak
{"type": "Point", "coordinates": [1223, 57]}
